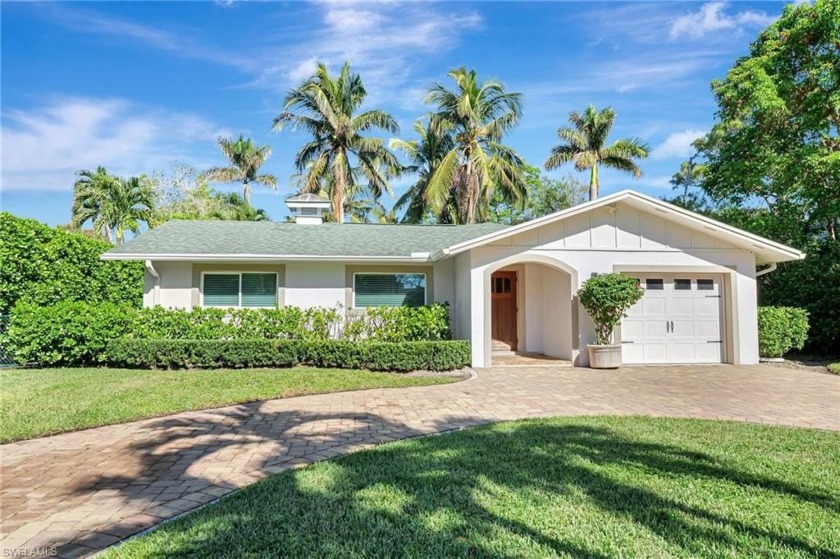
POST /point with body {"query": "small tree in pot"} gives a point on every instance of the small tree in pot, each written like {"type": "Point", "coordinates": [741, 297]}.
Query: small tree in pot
{"type": "Point", "coordinates": [607, 298]}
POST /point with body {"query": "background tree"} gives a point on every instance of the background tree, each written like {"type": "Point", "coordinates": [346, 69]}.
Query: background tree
{"type": "Point", "coordinates": [112, 204]}
{"type": "Point", "coordinates": [545, 196]}
{"type": "Point", "coordinates": [477, 115]}
{"type": "Point", "coordinates": [328, 109]}
{"type": "Point", "coordinates": [245, 160]}
{"type": "Point", "coordinates": [425, 155]}
{"type": "Point", "coordinates": [585, 145]}
{"type": "Point", "coordinates": [183, 193]}
{"type": "Point", "coordinates": [772, 161]}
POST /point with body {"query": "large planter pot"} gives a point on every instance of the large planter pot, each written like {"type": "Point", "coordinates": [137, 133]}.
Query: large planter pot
{"type": "Point", "coordinates": [604, 356]}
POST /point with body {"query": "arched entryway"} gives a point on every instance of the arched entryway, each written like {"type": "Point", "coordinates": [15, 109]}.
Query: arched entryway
{"type": "Point", "coordinates": [529, 309]}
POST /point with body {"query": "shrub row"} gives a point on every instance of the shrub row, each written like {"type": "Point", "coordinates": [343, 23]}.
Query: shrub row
{"type": "Point", "coordinates": [376, 356]}
{"type": "Point", "coordinates": [76, 333]}
{"type": "Point", "coordinates": [781, 329]}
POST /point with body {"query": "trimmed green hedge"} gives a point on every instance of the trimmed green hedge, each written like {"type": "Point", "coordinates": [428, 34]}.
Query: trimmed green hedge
{"type": "Point", "coordinates": [71, 334]}
{"type": "Point", "coordinates": [781, 329]}
{"type": "Point", "coordinates": [75, 333]}
{"type": "Point", "coordinates": [441, 355]}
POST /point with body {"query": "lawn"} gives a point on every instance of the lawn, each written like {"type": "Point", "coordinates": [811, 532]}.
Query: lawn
{"type": "Point", "coordinates": [39, 402]}
{"type": "Point", "coordinates": [577, 487]}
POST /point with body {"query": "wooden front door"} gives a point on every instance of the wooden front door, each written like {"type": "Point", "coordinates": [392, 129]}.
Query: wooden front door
{"type": "Point", "coordinates": [503, 310]}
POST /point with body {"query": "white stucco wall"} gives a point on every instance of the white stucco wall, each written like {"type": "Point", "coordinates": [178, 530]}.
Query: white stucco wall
{"type": "Point", "coordinates": [462, 303]}
{"type": "Point", "coordinates": [175, 285]}
{"type": "Point", "coordinates": [313, 284]}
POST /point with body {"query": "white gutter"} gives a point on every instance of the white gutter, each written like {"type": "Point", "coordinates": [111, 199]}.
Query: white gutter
{"type": "Point", "coordinates": [766, 270]}
{"type": "Point", "coordinates": [156, 290]}
{"type": "Point", "coordinates": [415, 258]}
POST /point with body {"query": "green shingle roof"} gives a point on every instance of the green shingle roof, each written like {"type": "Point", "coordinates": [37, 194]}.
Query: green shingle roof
{"type": "Point", "coordinates": [266, 238]}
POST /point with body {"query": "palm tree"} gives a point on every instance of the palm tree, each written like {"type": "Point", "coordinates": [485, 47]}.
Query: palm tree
{"type": "Point", "coordinates": [245, 160]}
{"type": "Point", "coordinates": [425, 156]}
{"type": "Point", "coordinates": [233, 207]}
{"type": "Point", "coordinates": [584, 144]}
{"type": "Point", "coordinates": [111, 203]}
{"type": "Point", "coordinates": [328, 107]}
{"type": "Point", "coordinates": [478, 115]}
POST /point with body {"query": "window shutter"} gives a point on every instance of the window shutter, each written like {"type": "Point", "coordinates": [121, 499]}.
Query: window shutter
{"type": "Point", "coordinates": [221, 290]}
{"type": "Point", "coordinates": [390, 290]}
{"type": "Point", "coordinates": [259, 290]}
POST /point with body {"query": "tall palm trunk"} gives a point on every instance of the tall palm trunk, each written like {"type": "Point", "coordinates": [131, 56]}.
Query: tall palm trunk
{"type": "Point", "coordinates": [246, 190]}
{"type": "Point", "coordinates": [593, 182]}
{"type": "Point", "coordinates": [338, 192]}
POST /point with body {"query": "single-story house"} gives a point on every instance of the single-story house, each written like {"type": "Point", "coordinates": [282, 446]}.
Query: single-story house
{"type": "Point", "coordinates": [510, 288]}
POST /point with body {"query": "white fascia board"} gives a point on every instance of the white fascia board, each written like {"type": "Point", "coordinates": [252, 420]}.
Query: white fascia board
{"type": "Point", "coordinates": [770, 250]}
{"type": "Point", "coordinates": [261, 257]}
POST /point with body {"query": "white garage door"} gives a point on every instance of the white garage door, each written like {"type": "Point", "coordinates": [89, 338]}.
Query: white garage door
{"type": "Point", "coordinates": [678, 320]}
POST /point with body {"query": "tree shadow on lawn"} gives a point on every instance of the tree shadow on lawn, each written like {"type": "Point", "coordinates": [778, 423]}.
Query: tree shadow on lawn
{"type": "Point", "coordinates": [479, 493]}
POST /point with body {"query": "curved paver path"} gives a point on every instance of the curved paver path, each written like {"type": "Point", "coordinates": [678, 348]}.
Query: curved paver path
{"type": "Point", "coordinates": [81, 492]}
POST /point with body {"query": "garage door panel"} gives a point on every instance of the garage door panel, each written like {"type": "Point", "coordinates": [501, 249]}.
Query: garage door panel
{"type": "Point", "coordinates": [680, 306]}
{"type": "Point", "coordinates": [654, 305]}
{"type": "Point", "coordinates": [678, 320]}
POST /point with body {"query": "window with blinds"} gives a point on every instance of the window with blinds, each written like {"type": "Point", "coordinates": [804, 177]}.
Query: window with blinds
{"type": "Point", "coordinates": [389, 290]}
{"type": "Point", "coordinates": [240, 290]}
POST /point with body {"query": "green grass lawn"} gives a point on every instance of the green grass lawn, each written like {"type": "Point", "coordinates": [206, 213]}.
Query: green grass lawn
{"type": "Point", "coordinates": [577, 487]}
{"type": "Point", "coordinates": [38, 402]}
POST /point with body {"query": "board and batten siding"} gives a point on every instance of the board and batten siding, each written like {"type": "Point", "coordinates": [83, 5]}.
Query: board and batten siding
{"type": "Point", "coordinates": [622, 228]}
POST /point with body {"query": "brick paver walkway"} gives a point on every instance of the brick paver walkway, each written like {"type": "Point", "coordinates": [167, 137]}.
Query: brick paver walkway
{"type": "Point", "coordinates": [81, 492]}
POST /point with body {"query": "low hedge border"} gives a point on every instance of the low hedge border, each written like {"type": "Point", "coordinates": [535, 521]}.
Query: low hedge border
{"type": "Point", "coordinates": [441, 355]}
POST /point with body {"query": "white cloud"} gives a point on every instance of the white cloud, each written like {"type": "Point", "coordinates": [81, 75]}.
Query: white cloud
{"type": "Point", "coordinates": [382, 41]}
{"type": "Point", "coordinates": [43, 148]}
{"type": "Point", "coordinates": [712, 17]}
{"type": "Point", "coordinates": [93, 22]}
{"type": "Point", "coordinates": [677, 144]}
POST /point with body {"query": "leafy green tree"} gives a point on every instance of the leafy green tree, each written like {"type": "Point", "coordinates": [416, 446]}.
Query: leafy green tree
{"type": "Point", "coordinates": [477, 115]}
{"type": "Point", "coordinates": [545, 196]}
{"type": "Point", "coordinates": [328, 109]}
{"type": "Point", "coordinates": [585, 145]}
{"type": "Point", "coordinates": [776, 144]}
{"type": "Point", "coordinates": [245, 160]}
{"type": "Point", "coordinates": [772, 160]}
{"type": "Point", "coordinates": [233, 207]}
{"type": "Point", "coordinates": [183, 193]}
{"type": "Point", "coordinates": [112, 204]}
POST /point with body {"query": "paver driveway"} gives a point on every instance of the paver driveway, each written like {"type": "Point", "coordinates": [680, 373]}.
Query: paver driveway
{"type": "Point", "coordinates": [83, 491]}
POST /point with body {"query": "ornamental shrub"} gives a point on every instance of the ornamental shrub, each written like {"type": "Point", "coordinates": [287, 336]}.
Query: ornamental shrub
{"type": "Point", "coordinates": [439, 355]}
{"type": "Point", "coordinates": [72, 333]}
{"type": "Point", "coordinates": [399, 324]}
{"type": "Point", "coordinates": [606, 298]}
{"type": "Point", "coordinates": [781, 329]}
{"type": "Point", "coordinates": [43, 265]}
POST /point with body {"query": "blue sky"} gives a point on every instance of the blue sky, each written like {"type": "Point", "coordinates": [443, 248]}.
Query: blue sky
{"type": "Point", "coordinates": [136, 86]}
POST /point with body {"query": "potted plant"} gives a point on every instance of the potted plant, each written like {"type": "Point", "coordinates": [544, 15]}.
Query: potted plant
{"type": "Point", "coordinates": [606, 298]}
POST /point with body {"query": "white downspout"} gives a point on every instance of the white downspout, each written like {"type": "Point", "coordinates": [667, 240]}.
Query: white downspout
{"type": "Point", "coordinates": [767, 270]}
{"type": "Point", "coordinates": [156, 290]}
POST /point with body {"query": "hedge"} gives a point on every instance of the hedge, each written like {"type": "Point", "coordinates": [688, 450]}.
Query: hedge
{"type": "Point", "coordinates": [75, 333]}
{"type": "Point", "coordinates": [442, 355]}
{"type": "Point", "coordinates": [781, 329]}
{"type": "Point", "coordinates": [44, 265]}
{"type": "Point", "coordinates": [67, 334]}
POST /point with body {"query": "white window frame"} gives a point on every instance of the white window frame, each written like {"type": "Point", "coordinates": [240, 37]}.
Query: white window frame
{"type": "Point", "coordinates": [425, 285]}
{"type": "Point", "coordinates": [239, 303]}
